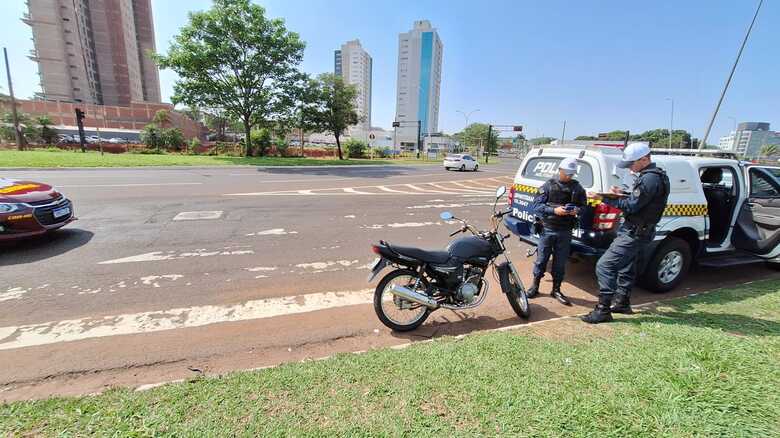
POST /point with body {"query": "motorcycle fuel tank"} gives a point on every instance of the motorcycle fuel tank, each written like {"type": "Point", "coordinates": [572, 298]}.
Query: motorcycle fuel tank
{"type": "Point", "coordinates": [469, 247]}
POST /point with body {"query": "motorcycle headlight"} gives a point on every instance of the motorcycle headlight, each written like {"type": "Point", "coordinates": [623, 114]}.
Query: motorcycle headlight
{"type": "Point", "coordinates": [10, 208]}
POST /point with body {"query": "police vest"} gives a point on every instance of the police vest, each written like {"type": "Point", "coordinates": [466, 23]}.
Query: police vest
{"type": "Point", "coordinates": [651, 214]}
{"type": "Point", "coordinates": [558, 195]}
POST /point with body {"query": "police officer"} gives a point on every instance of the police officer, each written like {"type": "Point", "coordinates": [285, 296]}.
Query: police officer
{"type": "Point", "coordinates": [642, 209]}
{"type": "Point", "coordinates": [557, 204]}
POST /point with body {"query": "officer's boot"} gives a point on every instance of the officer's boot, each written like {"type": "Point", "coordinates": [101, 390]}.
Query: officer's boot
{"type": "Point", "coordinates": [534, 289]}
{"type": "Point", "coordinates": [601, 313]}
{"type": "Point", "coordinates": [622, 305]}
{"type": "Point", "coordinates": [558, 295]}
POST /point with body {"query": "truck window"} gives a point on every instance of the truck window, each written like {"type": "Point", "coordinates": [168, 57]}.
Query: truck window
{"type": "Point", "coordinates": [762, 185]}
{"type": "Point", "coordinates": [544, 168]}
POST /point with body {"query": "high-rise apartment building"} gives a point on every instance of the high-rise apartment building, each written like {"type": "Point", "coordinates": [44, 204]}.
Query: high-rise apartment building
{"type": "Point", "coordinates": [749, 138]}
{"type": "Point", "coordinates": [354, 64]}
{"type": "Point", "coordinates": [419, 81]}
{"type": "Point", "coordinates": [94, 51]}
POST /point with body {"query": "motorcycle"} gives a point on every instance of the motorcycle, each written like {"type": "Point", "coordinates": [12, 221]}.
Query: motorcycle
{"type": "Point", "coordinates": [424, 281]}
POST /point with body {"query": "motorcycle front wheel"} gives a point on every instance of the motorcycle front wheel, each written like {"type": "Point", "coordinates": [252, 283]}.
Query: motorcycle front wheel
{"type": "Point", "coordinates": [514, 290]}
{"type": "Point", "coordinates": [397, 313]}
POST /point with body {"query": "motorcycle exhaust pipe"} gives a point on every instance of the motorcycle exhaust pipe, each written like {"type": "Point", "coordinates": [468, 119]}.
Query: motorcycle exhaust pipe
{"type": "Point", "coordinates": [414, 296]}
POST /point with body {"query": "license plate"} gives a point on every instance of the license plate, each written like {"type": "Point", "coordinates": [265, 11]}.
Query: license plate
{"type": "Point", "coordinates": [60, 212]}
{"type": "Point", "coordinates": [376, 267]}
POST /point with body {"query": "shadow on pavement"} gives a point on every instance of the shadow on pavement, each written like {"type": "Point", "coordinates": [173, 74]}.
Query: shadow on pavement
{"type": "Point", "coordinates": [459, 323]}
{"type": "Point", "coordinates": [43, 247]}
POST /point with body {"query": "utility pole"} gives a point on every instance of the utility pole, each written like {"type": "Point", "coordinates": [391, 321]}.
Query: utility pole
{"type": "Point", "coordinates": [419, 131]}
{"type": "Point", "coordinates": [703, 142]}
{"type": "Point", "coordinates": [563, 134]}
{"type": "Point", "coordinates": [487, 145]}
{"type": "Point", "coordinates": [17, 132]}
{"type": "Point", "coordinates": [671, 123]}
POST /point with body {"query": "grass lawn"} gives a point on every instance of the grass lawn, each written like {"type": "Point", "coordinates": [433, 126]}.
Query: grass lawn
{"type": "Point", "coordinates": [703, 366]}
{"type": "Point", "coordinates": [9, 158]}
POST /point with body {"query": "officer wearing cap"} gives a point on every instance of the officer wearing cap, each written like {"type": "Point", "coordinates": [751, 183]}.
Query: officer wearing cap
{"type": "Point", "coordinates": [642, 209]}
{"type": "Point", "coordinates": [557, 204]}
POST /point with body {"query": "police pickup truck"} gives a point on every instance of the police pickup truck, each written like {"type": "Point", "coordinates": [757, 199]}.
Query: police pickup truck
{"type": "Point", "coordinates": [720, 212]}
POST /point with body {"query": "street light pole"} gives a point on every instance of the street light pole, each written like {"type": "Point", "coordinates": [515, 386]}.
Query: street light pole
{"type": "Point", "coordinates": [671, 123]}
{"type": "Point", "coordinates": [467, 116]}
{"type": "Point", "coordinates": [17, 132]}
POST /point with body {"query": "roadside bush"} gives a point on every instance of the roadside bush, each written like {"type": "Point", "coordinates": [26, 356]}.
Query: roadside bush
{"type": "Point", "coordinates": [194, 146]}
{"type": "Point", "coordinates": [173, 138]}
{"type": "Point", "coordinates": [152, 136]}
{"type": "Point", "coordinates": [356, 148]}
{"type": "Point", "coordinates": [260, 141]}
{"type": "Point", "coordinates": [282, 147]}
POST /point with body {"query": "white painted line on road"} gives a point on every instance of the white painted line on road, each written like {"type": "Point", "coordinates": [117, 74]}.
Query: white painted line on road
{"type": "Point", "coordinates": [273, 232]}
{"type": "Point", "coordinates": [464, 188]}
{"type": "Point", "coordinates": [171, 319]}
{"type": "Point", "coordinates": [13, 293]}
{"type": "Point", "coordinates": [351, 190]}
{"type": "Point", "coordinates": [131, 185]}
{"type": "Point", "coordinates": [198, 215]}
{"type": "Point", "coordinates": [401, 225]}
{"type": "Point", "coordinates": [172, 255]}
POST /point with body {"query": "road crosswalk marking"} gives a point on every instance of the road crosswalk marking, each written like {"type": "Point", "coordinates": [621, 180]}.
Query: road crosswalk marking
{"type": "Point", "coordinates": [481, 186]}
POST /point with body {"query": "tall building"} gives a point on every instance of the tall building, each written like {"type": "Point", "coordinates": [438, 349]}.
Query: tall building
{"type": "Point", "coordinates": [748, 139]}
{"type": "Point", "coordinates": [419, 81]}
{"type": "Point", "coordinates": [94, 51]}
{"type": "Point", "coordinates": [354, 64]}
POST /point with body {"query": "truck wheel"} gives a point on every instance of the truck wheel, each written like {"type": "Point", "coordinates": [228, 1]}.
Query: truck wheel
{"type": "Point", "coordinates": [668, 266]}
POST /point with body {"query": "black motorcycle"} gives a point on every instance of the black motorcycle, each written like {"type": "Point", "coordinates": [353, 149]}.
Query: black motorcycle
{"type": "Point", "coordinates": [424, 281]}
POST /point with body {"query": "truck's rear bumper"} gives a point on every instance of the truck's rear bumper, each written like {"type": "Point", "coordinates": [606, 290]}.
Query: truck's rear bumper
{"type": "Point", "coordinates": [586, 246]}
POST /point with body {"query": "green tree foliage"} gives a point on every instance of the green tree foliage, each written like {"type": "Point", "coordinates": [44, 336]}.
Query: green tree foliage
{"type": "Point", "coordinates": [173, 138]}
{"type": "Point", "coordinates": [586, 137]}
{"type": "Point", "coordinates": [769, 150]}
{"type": "Point", "coordinates": [152, 136]}
{"type": "Point", "coordinates": [260, 141]}
{"type": "Point", "coordinates": [332, 107]}
{"type": "Point", "coordinates": [26, 124]}
{"type": "Point", "coordinates": [161, 118]}
{"type": "Point", "coordinates": [45, 133]}
{"type": "Point", "coordinates": [475, 136]}
{"type": "Point", "coordinates": [356, 148]}
{"type": "Point", "coordinates": [234, 58]}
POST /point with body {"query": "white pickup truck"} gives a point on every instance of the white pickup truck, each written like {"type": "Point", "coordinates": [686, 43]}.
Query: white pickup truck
{"type": "Point", "coordinates": [720, 211]}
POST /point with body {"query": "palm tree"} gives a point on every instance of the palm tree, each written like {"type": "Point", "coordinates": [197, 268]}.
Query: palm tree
{"type": "Point", "coordinates": [768, 150]}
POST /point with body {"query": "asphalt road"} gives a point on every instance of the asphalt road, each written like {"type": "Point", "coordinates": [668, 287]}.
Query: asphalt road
{"type": "Point", "coordinates": [169, 273]}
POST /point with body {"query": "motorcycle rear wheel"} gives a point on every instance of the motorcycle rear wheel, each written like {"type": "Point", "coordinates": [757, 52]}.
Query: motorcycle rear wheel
{"type": "Point", "coordinates": [396, 313]}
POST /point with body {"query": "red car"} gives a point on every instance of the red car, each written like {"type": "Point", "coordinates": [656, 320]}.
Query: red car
{"type": "Point", "coordinates": [29, 208]}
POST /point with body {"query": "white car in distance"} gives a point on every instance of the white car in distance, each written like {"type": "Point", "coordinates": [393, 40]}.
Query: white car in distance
{"type": "Point", "coordinates": [461, 162]}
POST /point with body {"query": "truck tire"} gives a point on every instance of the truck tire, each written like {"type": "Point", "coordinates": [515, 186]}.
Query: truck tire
{"type": "Point", "coordinates": [668, 265]}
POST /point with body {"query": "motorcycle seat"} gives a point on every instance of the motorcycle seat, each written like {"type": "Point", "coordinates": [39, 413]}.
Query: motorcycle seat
{"type": "Point", "coordinates": [437, 257]}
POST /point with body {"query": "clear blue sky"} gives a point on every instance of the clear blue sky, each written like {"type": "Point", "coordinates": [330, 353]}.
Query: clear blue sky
{"type": "Point", "coordinates": [600, 65]}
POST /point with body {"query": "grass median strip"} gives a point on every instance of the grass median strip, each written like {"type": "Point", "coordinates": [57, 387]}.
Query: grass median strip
{"type": "Point", "coordinates": [53, 159]}
{"type": "Point", "coordinates": [702, 366]}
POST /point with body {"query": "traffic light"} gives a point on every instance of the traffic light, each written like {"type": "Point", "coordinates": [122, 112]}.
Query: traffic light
{"type": "Point", "coordinates": [80, 124]}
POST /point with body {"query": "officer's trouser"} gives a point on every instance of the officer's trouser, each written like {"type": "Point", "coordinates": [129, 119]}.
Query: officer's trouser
{"type": "Point", "coordinates": [616, 269]}
{"type": "Point", "coordinates": [558, 244]}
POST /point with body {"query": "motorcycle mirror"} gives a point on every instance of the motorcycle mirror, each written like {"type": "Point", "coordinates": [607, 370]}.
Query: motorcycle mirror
{"type": "Point", "coordinates": [500, 191]}
{"type": "Point", "coordinates": [446, 215]}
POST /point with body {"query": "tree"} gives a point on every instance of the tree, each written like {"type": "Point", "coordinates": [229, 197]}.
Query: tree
{"type": "Point", "coordinates": [474, 137]}
{"type": "Point", "coordinates": [46, 134]}
{"type": "Point", "coordinates": [260, 139]}
{"type": "Point", "coordinates": [768, 150]}
{"type": "Point", "coordinates": [586, 137]}
{"type": "Point", "coordinates": [335, 110]}
{"type": "Point", "coordinates": [541, 140]}
{"type": "Point", "coordinates": [234, 58]}
{"type": "Point", "coordinates": [161, 118]}
{"type": "Point", "coordinates": [152, 136]}
{"type": "Point", "coordinates": [173, 138]}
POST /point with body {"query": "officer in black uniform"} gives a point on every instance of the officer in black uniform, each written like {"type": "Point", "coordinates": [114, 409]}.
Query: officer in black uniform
{"type": "Point", "coordinates": [642, 209]}
{"type": "Point", "coordinates": [557, 204]}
